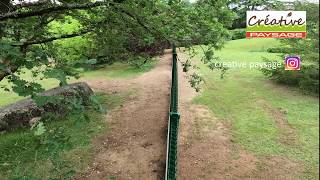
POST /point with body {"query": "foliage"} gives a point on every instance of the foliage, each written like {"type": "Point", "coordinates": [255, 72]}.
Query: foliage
{"type": "Point", "coordinates": [195, 81]}
{"type": "Point", "coordinates": [286, 50]}
{"type": "Point", "coordinates": [306, 79]}
{"type": "Point", "coordinates": [240, 7]}
{"type": "Point", "coordinates": [238, 34]}
{"type": "Point", "coordinates": [117, 70]}
{"type": "Point", "coordinates": [59, 37]}
{"type": "Point", "coordinates": [308, 49]}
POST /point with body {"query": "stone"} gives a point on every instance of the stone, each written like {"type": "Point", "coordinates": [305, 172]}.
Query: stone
{"type": "Point", "coordinates": [22, 112]}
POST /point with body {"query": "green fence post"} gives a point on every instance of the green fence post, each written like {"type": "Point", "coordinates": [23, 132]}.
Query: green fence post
{"type": "Point", "coordinates": [173, 146]}
{"type": "Point", "coordinates": [173, 127]}
{"type": "Point", "coordinates": [174, 82]}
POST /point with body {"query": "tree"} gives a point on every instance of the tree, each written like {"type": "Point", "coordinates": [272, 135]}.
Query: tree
{"type": "Point", "coordinates": [115, 30]}
{"type": "Point", "coordinates": [240, 7]}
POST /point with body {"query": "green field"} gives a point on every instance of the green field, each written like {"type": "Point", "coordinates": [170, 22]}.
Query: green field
{"type": "Point", "coordinates": [252, 103]}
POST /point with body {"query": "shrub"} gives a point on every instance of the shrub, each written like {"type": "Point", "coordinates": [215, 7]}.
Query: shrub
{"type": "Point", "coordinates": [286, 50]}
{"type": "Point", "coordinates": [306, 79]}
{"type": "Point", "coordinates": [238, 34]}
{"type": "Point", "coordinates": [308, 49]}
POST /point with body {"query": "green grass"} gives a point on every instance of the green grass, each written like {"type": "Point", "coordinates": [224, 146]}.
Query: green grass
{"type": "Point", "coordinates": [245, 98]}
{"type": "Point", "coordinates": [23, 157]}
{"type": "Point", "coordinates": [119, 70]}
{"type": "Point", "coordinates": [11, 97]}
{"type": "Point", "coordinates": [114, 71]}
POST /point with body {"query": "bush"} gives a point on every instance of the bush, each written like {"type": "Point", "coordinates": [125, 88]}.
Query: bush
{"type": "Point", "coordinates": [308, 49]}
{"type": "Point", "coordinates": [286, 50]}
{"type": "Point", "coordinates": [238, 34]}
{"type": "Point", "coordinates": [306, 79]}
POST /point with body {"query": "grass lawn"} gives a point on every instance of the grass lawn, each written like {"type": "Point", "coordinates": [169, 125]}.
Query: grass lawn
{"type": "Point", "coordinates": [255, 106]}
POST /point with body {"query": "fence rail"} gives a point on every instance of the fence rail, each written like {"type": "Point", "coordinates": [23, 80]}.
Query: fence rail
{"type": "Point", "coordinates": [173, 124]}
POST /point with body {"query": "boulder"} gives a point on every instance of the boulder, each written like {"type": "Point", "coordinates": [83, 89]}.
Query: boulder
{"type": "Point", "coordinates": [22, 112]}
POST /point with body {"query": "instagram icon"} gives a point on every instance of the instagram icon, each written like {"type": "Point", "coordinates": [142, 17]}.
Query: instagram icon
{"type": "Point", "coordinates": [292, 63]}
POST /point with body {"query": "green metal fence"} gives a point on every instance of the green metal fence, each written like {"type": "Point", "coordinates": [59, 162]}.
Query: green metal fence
{"type": "Point", "coordinates": [173, 125]}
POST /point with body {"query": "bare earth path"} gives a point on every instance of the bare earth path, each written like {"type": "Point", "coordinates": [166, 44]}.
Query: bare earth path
{"type": "Point", "coordinates": [135, 145]}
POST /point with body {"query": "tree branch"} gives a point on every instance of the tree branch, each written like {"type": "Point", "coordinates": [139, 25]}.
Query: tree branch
{"type": "Point", "coordinates": [10, 69]}
{"type": "Point", "coordinates": [30, 4]}
{"type": "Point", "coordinates": [50, 39]}
{"type": "Point", "coordinates": [7, 72]}
{"type": "Point", "coordinates": [140, 22]}
{"type": "Point", "coordinates": [55, 8]}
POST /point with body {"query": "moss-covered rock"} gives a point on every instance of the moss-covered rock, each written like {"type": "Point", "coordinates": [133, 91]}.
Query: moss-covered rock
{"type": "Point", "coordinates": [20, 113]}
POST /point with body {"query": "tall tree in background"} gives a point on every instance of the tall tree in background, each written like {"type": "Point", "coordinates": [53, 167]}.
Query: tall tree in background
{"type": "Point", "coordinates": [240, 7]}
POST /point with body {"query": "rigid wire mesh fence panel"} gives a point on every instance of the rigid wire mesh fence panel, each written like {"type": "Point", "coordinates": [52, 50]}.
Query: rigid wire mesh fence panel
{"type": "Point", "coordinates": [173, 127]}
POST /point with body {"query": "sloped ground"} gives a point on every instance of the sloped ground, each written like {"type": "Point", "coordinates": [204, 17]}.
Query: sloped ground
{"type": "Point", "coordinates": [135, 145]}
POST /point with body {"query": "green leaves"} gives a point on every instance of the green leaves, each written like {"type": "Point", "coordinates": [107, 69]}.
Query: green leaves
{"type": "Point", "coordinates": [43, 100]}
{"type": "Point", "coordinates": [307, 78]}
{"type": "Point", "coordinates": [40, 129]}
{"type": "Point", "coordinates": [9, 54]}
{"type": "Point", "coordinates": [97, 103]}
{"type": "Point", "coordinates": [58, 74]}
{"type": "Point", "coordinates": [23, 87]}
{"type": "Point", "coordinates": [208, 56]}
{"type": "Point", "coordinates": [196, 81]}
{"type": "Point", "coordinates": [128, 31]}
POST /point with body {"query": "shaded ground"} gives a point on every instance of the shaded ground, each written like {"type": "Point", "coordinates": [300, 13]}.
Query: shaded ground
{"type": "Point", "coordinates": [135, 145]}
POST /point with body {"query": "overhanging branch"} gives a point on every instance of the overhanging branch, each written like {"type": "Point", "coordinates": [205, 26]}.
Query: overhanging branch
{"type": "Point", "coordinates": [50, 39]}
{"type": "Point", "coordinates": [30, 4]}
{"type": "Point", "coordinates": [10, 69]}
{"type": "Point", "coordinates": [55, 8]}
{"type": "Point", "coordinates": [140, 22]}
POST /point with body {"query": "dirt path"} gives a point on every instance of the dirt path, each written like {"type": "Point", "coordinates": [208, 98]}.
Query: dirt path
{"type": "Point", "coordinates": [135, 145]}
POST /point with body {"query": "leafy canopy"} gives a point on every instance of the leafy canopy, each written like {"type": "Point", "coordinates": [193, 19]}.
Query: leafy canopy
{"type": "Point", "coordinates": [51, 38]}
